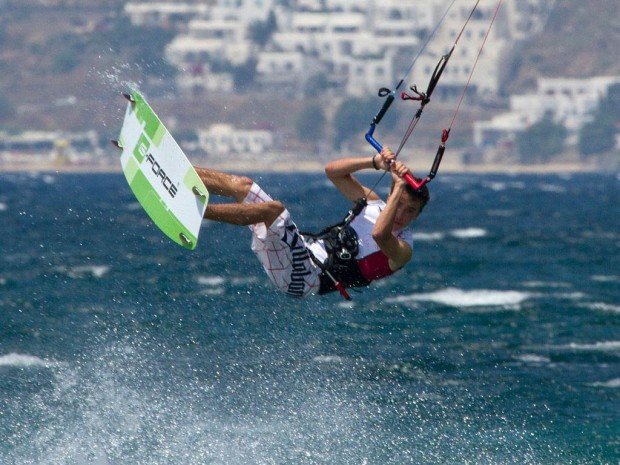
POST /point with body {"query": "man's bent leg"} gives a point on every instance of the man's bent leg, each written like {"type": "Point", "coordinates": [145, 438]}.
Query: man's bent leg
{"type": "Point", "coordinates": [228, 185]}
{"type": "Point", "coordinates": [245, 214]}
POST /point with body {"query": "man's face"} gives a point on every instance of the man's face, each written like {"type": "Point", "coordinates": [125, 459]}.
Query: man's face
{"type": "Point", "coordinates": [407, 210]}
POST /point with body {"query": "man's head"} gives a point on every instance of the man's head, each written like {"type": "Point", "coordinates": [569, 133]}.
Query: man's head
{"type": "Point", "coordinates": [410, 204]}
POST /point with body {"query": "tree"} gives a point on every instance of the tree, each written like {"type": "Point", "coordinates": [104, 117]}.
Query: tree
{"type": "Point", "coordinates": [599, 136]}
{"type": "Point", "coordinates": [244, 75]}
{"type": "Point", "coordinates": [354, 116]}
{"type": "Point", "coordinates": [260, 32]}
{"type": "Point", "coordinates": [310, 123]}
{"type": "Point", "coordinates": [316, 84]}
{"type": "Point", "coordinates": [542, 140]}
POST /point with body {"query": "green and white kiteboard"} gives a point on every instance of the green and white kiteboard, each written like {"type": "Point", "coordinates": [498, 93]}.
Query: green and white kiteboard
{"type": "Point", "coordinates": [160, 175]}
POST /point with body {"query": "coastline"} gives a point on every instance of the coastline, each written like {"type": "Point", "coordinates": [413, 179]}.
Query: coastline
{"type": "Point", "coordinates": [317, 167]}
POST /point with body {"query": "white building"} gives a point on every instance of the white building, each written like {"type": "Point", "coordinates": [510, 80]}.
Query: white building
{"type": "Point", "coordinates": [336, 37]}
{"type": "Point", "coordinates": [486, 78]}
{"type": "Point", "coordinates": [569, 101]}
{"type": "Point", "coordinates": [225, 139]}
{"type": "Point", "coordinates": [163, 14]}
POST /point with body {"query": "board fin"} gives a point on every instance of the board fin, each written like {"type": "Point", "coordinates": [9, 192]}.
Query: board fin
{"type": "Point", "coordinates": [117, 144]}
{"type": "Point", "coordinates": [185, 240]}
{"type": "Point", "coordinates": [198, 192]}
{"type": "Point", "coordinates": [129, 97]}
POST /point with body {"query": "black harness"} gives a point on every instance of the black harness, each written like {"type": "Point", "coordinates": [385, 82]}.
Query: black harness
{"type": "Point", "coordinates": [340, 270]}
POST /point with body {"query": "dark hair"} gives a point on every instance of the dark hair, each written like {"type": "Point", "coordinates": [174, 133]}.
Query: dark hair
{"type": "Point", "coordinates": [422, 194]}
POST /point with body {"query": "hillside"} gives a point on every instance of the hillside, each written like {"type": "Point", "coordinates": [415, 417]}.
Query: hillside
{"type": "Point", "coordinates": [581, 39]}
{"type": "Point", "coordinates": [64, 63]}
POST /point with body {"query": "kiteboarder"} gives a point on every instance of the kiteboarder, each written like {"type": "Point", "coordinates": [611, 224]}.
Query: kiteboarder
{"type": "Point", "coordinates": [371, 243]}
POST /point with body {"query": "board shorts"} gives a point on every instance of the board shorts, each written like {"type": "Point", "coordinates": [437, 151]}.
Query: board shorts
{"type": "Point", "coordinates": [282, 251]}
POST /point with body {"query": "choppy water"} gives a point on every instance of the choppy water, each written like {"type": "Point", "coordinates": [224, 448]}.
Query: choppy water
{"type": "Point", "coordinates": [499, 344]}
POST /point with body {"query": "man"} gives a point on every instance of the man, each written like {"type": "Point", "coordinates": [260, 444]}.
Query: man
{"type": "Point", "coordinates": [373, 246]}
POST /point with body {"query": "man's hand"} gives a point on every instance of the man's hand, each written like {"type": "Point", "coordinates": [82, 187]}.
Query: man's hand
{"type": "Point", "coordinates": [384, 159]}
{"type": "Point", "coordinates": [398, 170]}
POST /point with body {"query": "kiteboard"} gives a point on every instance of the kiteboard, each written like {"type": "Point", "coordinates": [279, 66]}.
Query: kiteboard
{"type": "Point", "coordinates": [160, 175]}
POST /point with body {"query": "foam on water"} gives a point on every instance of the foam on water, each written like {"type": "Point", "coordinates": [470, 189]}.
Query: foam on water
{"type": "Point", "coordinates": [3, 207]}
{"type": "Point", "coordinates": [545, 284]}
{"type": "Point", "coordinates": [603, 307]}
{"type": "Point", "coordinates": [532, 358]}
{"type": "Point", "coordinates": [24, 361]}
{"type": "Point", "coordinates": [459, 298]}
{"type": "Point", "coordinates": [210, 280]}
{"type": "Point", "coordinates": [612, 383]}
{"type": "Point", "coordinates": [468, 233]}
{"type": "Point", "coordinates": [428, 236]}
{"type": "Point", "coordinates": [552, 188]}
{"type": "Point", "coordinates": [328, 359]}
{"type": "Point", "coordinates": [605, 278]}
{"type": "Point", "coordinates": [96, 271]}
{"type": "Point", "coordinates": [603, 346]}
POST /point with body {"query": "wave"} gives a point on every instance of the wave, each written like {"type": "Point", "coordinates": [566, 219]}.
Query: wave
{"type": "Point", "coordinates": [612, 383]}
{"type": "Point", "coordinates": [532, 358]}
{"type": "Point", "coordinates": [460, 298]}
{"type": "Point", "coordinates": [553, 188]}
{"type": "Point", "coordinates": [547, 284]}
{"type": "Point", "coordinates": [3, 207]}
{"type": "Point", "coordinates": [605, 278]}
{"type": "Point", "coordinates": [97, 271]}
{"type": "Point", "coordinates": [468, 233]}
{"type": "Point", "coordinates": [604, 346]}
{"type": "Point", "coordinates": [603, 307]}
{"type": "Point", "coordinates": [499, 186]}
{"type": "Point", "coordinates": [328, 359]}
{"type": "Point", "coordinates": [24, 361]}
{"type": "Point", "coordinates": [210, 280]}
{"type": "Point", "coordinates": [428, 236]}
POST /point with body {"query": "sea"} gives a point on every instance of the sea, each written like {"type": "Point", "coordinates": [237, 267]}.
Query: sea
{"type": "Point", "coordinates": [498, 344]}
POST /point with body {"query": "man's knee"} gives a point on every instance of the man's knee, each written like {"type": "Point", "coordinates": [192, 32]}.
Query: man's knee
{"type": "Point", "coordinates": [276, 208]}
{"type": "Point", "coordinates": [243, 184]}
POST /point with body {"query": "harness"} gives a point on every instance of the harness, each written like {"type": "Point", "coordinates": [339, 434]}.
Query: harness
{"type": "Point", "coordinates": [340, 270]}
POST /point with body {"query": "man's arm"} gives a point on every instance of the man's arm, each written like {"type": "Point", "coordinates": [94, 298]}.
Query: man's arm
{"type": "Point", "coordinates": [397, 251]}
{"type": "Point", "coordinates": [339, 172]}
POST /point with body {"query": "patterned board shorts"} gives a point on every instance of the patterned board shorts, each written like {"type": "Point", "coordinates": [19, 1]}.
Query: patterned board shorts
{"type": "Point", "coordinates": [283, 252]}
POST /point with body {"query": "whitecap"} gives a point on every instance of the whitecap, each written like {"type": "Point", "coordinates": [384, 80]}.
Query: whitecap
{"type": "Point", "coordinates": [605, 346]}
{"type": "Point", "coordinates": [603, 307]}
{"type": "Point", "coordinates": [495, 186]}
{"type": "Point", "coordinates": [554, 188]}
{"type": "Point", "coordinates": [97, 271]}
{"type": "Point", "coordinates": [612, 383]}
{"type": "Point", "coordinates": [532, 358]}
{"type": "Point", "coordinates": [48, 179]}
{"type": "Point", "coordinates": [468, 233]}
{"type": "Point", "coordinates": [213, 291]}
{"type": "Point", "coordinates": [547, 284]}
{"type": "Point", "coordinates": [605, 278]}
{"type": "Point", "coordinates": [24, 361]}
{"type": "Point", "coordinates": [328, 359]}
{"type": "Point", "coordinates": [430, 236]}
{"type": "Point", "coordinates": [460, 298]}
{"type": "Point", "coordinates": [3, 207]}
{"type": "Point", "coordinates": [346, 305]}
{"type": "Point", "coordinates": [210, 280]}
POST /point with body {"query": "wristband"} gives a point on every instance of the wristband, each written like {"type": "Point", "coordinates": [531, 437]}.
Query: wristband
{"type": "Point", "coordinates": [374, 164]}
